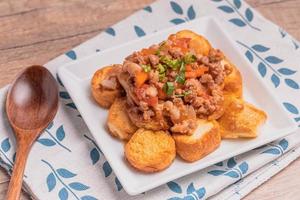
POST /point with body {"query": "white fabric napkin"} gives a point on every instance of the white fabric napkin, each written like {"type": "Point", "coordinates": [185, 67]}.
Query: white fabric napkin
{"type": "Point", "coordinates": [66, 163]}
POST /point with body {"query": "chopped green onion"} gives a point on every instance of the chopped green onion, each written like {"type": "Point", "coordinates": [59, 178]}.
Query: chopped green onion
{"type": "Point", "coordinates": [189, 58]}
{"type": "Point", "coordinates": [180, 78]}
{"type": "Point", "coordinates": [168, 88]}
{"type": "Point", "coordinates": [146, 68]}
{"type": "Point", "coordinates": [185, 93]}
{"type": "Point", "coordinates": [172, 63]}
{"type": "Point", "coordinates": [161, 71]}
{"type": "Point", "coordinates": [161, 68]}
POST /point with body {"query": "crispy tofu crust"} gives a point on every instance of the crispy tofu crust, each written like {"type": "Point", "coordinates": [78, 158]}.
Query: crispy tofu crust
{"type": "Point", "coordinates": [233, 84]}
{"type": "Point", "coordinates": [118, 122]}
{"type": "Point", "coordinates": [241, 119]}
{"type": "Point", "coordinates": [150, 151]}
{"type": "Point", "coordinates": [101, 95]}
{"type": "Point", "coordinates": [205, 139]}
{"type": "Point", "coordinates": [198, 42]}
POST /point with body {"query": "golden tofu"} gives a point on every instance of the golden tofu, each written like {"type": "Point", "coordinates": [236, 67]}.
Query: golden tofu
{"type": "Point", "coordinates": [197, 42]}
{"type": "Point", "coordinates": [118, 122]}
{"type": "Point", "coordinates": [104, 97]}
{"type": "Point", "coordinates": [150, 151]}
{"type": "Point", "coordinates": [233, 84]}
{"type": "Point", "coordinates": [205, 139]}
{"type": "Point", "coordinates": [240, 119]}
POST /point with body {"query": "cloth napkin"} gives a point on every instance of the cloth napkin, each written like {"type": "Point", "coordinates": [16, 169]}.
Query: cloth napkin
{"type": "Point", "coordinates": [66, 163]}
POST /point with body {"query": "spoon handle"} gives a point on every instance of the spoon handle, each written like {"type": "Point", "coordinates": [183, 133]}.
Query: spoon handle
{"type": "Point", "coordinates": [15, 184]}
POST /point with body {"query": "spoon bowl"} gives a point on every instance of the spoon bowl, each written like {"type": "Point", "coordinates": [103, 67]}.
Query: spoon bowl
{"type": "Point", "coordinates": [31, 104]}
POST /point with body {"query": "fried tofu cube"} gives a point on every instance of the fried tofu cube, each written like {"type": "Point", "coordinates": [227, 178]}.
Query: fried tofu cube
{"type": "Point", "coordinates": [205, 139]}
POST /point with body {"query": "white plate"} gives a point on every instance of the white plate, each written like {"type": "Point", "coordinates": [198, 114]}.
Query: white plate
{"type": "Point", "coordinates": [76, 77]}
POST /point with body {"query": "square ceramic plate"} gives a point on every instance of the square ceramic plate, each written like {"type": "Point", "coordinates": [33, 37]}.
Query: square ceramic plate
{"type": "Point", "coordinates": [77, 75]}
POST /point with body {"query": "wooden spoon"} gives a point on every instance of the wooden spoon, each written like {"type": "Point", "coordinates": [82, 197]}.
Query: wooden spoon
{"type": "Point", "coordinates": [31, 104]}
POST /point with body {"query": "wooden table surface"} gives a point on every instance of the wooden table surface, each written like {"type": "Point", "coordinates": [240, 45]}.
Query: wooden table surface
{"type": "Point", "coordinates": [35, 31]}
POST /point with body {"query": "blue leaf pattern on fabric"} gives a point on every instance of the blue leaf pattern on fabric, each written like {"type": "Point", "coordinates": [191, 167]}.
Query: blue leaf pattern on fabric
{"type": "Point", "coordinates": [14, 157]}
{"type": "Point", "coordinates": [291, 108]}
{"type": "Point", "coordinates": [63, 194]}
{"type": "Point", "coordinates": [118, 184]}
{"type": "Point", "coordinates": [226, 9]}
{"type": "Point", "coordinates": [111, 31]}
{"type": "Point", "coordinates": [284, 144]}
{"type": "Point", "coordinates": [51, 182]}
{"type": "Point", "coordinates": [107, 169]}
{"type": "Point", "coordinates": [78, 186]}
{"type": "Point", "coordinates": [191, 13]}
{"type": "Point", "coordinates": [296, 45]}
{"type": "Point", "coordinates": [237, 22]}
{"type": "Point", "coordinates": [95, 155]}
{"type": "Point", "coordinates": [237, 3]}
{"type": "Point", "coordinates": [59, 176]}
{"type": "Point", "coordinates": [5, 145]}
{"type": "Point", "coordinates": [65, 173]}
{"type": "Point", "coordinates": [262, 69]}
{"type": "Point", "coordinates": [46, 142]}
{"type": "Point", "coordinates": [286, 71]}
{"type": "Point", "coordinates": [59, 81]}
{"type": "Point", "coordinates": [71, 54]}
{"type": "Point", "coordinates": [176, 7]}
{"type": "Point", "coordinates": [190, 189]}
{"type": "Point", "coordinates": [249, 14]}
{"type": "Point", "coordinates": [249, 55]}
{"type": "Point", "coordinates": [175, 198]}
{"type": "Point", "coordinates": [244, 167]}
{"type": "Point", "coordinates": [201, 192]}
{"type": "Point", "coordinates": [189, 197]}
{"type": "Point", "coordinates": [220, 164]}
{"type": "Point", "coordinates": [64, 95]}
{"type": "Point", "coordinates": [177, 21]}
{"type": "Point", "coordinates": [60, 133]}
{"type": "Point", "coordinates": [71, 105]}
{"type": "Point", "coordinates": [50, 125]}
{"type": "Point", "coordinates": [148, 9]}
{"type": "Point", "coordinates": [274, 151]}
{"type": "Point", "coordinates": [175, 187]}
{"type": "Point", "coordinates": [273, 59]}
{"type": "Point", "coordinates": [260, 48]}
{"type": "Point", "coordinates": [275, 80]}
{"type": "Point", "coordinates": [87, 197]}
{"type": "Point", "coordinates": [232, 174]}
{"type": "Point", "coordinates": [291, 83]}
{"type": "Point", "coordinates": [216, 172]}
{"type": "Point", "coordinates": [231, 163]}
{"type": "Point", "coordinates": [139, 31]}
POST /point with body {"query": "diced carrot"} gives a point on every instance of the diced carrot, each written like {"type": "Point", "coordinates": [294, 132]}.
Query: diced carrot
{"type": "Point", "coordinates": [196, 73]}
{"type": "Point", "coordinates": [140, 78]}
{"type": "Point", "coordinates": [188, 68]}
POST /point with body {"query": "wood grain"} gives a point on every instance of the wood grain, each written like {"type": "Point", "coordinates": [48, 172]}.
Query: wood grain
{"type": "Point", "coordinates": [35, 31]}
{"type": "Point", "coordinates": [38, 104]}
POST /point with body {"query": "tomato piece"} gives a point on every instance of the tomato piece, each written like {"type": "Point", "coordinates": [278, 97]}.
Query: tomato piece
{"type": "Point", "coordinates": [161, 94]}
{"type": "Point", "coordinates": [152, 101]}
{"type": "Point", "coordinates": [140, 93]}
